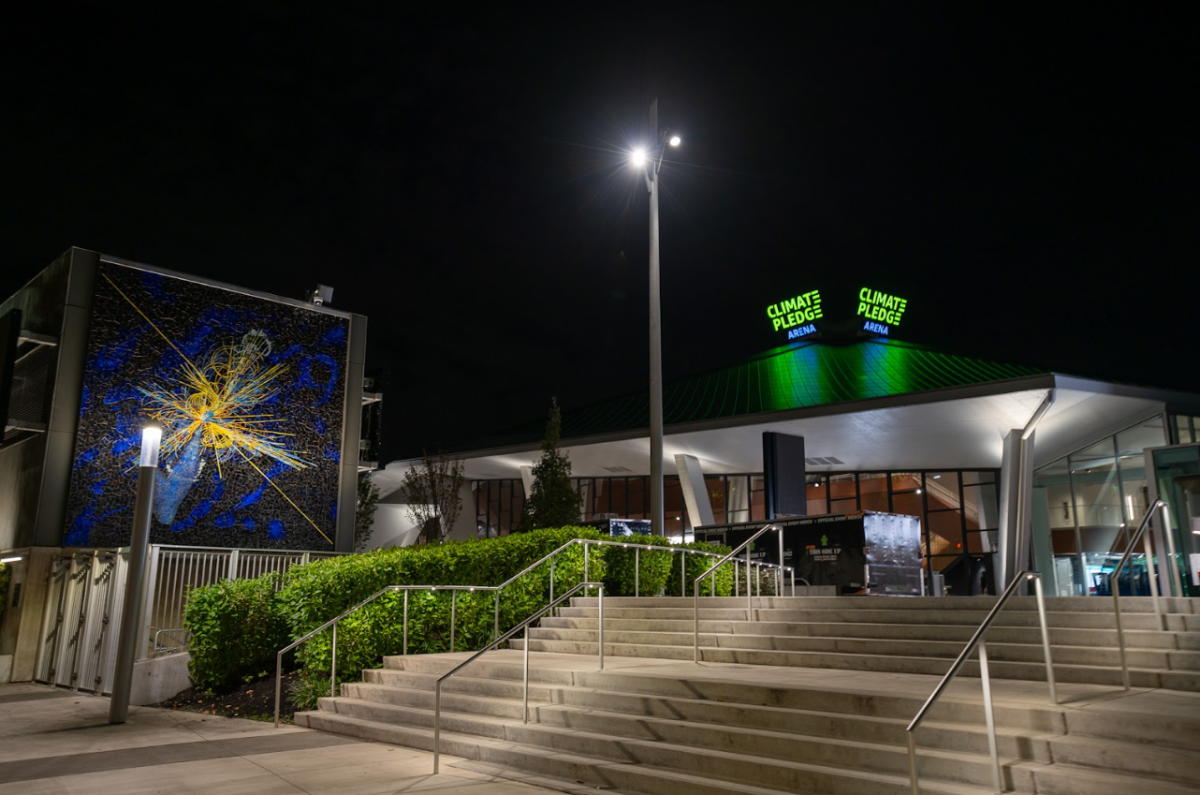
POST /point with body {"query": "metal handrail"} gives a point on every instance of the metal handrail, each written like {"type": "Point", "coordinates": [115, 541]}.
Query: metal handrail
{"type": "Point", "coordinates": [712, 573]}
{"type": "Point", "coordinates": [586, 542]}
{"type": "Point", "coordinates": [1116, 591]}
{"type": "Point", "coordinates": [977, 641]}
{"type": "Point", "coordinates": [437, 685]}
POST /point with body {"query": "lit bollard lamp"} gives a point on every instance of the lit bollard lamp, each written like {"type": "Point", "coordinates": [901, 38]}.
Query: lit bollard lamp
{"type": "Point", "coordinates": [135, 577]}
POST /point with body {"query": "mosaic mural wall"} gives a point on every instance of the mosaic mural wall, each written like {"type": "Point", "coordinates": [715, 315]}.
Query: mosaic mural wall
{"type": "Point", "coordinates": [250, 395]}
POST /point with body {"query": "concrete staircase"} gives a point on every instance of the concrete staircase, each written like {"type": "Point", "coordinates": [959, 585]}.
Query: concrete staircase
{"type": "Point", "coordinates": [896, 635]}
{"type": "Point", "coordinates": [655, 724]}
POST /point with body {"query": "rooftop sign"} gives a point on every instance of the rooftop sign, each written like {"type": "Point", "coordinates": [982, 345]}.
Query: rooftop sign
{"type": "Point", "coordinates": [796, 315]}
{"type": "Point", "coordinates": [880, 310]}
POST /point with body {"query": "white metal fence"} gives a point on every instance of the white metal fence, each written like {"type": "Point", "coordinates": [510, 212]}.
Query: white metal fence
{"type": "Point", "coordinates": [81, 622]}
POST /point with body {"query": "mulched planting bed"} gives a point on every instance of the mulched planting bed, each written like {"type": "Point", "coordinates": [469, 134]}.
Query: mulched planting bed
{"type": "Point", "coordinates": [255, 700]}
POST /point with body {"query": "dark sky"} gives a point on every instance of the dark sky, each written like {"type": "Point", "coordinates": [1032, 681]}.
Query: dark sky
{"type": "Point", "coordinates": [1026, 177]}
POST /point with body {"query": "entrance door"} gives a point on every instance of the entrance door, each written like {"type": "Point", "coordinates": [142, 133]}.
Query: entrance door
{"type": "Point", "coordinates": [1176, 481]}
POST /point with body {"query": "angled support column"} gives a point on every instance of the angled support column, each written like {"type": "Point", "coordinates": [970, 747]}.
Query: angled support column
{"type": "Point", "coordinates": [695, 493]}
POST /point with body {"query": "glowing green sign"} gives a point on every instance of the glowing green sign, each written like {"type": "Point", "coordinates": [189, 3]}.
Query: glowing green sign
{"type": "Point", "coordinates": [796, 315]}
{"type": "Point", "coordinates": [880, 307]}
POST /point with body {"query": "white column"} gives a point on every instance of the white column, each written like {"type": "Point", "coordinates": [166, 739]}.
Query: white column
{"type": "Point", "coordinates": [695, 493]}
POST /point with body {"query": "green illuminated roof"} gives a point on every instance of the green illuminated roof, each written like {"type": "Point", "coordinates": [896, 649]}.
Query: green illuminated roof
{"type": "Point", "coordinates": [804, 375]}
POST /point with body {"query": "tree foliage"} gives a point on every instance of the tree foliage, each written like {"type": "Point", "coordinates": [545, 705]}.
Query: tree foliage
{"type": "Point", "coordinates": [434, 499]}
{"type": "Point", "coordinates": [554, 501]}
{"type": "Point", "coordinates": [364, 511]}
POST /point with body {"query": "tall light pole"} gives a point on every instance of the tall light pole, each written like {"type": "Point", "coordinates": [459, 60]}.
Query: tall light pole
{"type": "Point", "coordinates": [135, 577]}
{"type": "Point", "coordinates": [651, 161]}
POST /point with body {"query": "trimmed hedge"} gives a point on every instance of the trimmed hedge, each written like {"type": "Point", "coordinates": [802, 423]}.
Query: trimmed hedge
{"type": "Point", "coordinates": [238, 626]}
{"type": "Point", "coordinates": [237, 629]}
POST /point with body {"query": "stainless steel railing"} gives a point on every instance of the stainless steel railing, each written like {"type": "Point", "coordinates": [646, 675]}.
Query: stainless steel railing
{"type": "Point", "coordinates": [976, 641]}
{"type": "Point", "coordinates": [1113, 585]}
{"type": "Point", "coordinates": [712, 572]}
{"type": "Point", "coordinates": [454, 589]}
{"type": "Point", "coordinates": [524, 625]}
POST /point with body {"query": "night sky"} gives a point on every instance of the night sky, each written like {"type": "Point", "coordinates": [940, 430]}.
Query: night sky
{"type": "Point", "coordinates": [1025, 176]}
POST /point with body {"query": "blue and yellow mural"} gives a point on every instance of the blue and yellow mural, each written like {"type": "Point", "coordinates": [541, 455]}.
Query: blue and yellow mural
{"type": "Point", "coordinates": [250, 394]}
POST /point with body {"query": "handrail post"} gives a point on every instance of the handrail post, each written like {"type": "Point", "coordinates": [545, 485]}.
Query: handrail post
{"type": "Point", "coordinates": [696, 622]}
{"type": "Point", "coordinates": [779, 571]}
{"type": "Point", "coordinates": [683, 564]}
{"type": "Point", "coordinates": [749, 590]}
{"type": "Point", "coordinates": [1041, 603]}
{"type": "Point", "coordinates": [278, 684]}
{"type": "Point", "coordinates": [551, 579]}
{"type": "Point", "coordinates": [737, 589]}
{"type": "Point", "coordinates": [404, 649]}
{"type": "Point", "coordinates": [586, 578]}
{"type": "Point", "coordinates": [333, 662]}
{"type": "Point", "coordinates": [1176, 579]}
{"type": "Point", "coordinates": [437, 724]}
{"type": "Point", "coordinates": [453, 614]}
{"type": "Point", "coordinates": [637, 572]}
{"type": "Point", "coordinates": [912, 762]}
{"type": "Point", "coordinates": [989, 715]}
{"type": "Point", "coordinates": [600, 621]}
{"type": "Point", "coordinates": [525, 680]}
{"type": "Point", "coordinates": [1151, 578]}
{"type": "Point", "coordinates": [496, 626]}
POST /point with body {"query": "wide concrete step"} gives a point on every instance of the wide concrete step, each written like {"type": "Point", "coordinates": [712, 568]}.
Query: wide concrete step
{"type": "Point", "coordinates": [960, 633]}
{"type": "Point", "coordinates": [1029, 651]}
{"type": "Point", "coordinates": [937, 666]}
{"type": "Point", "coordinates": [654, 766]}
{"type": "Point", "coordinates": [915, 615]}
{"type": "Point", "coordinates": [1150, 760]}
{"type": "Point", "coordinates": [948, 604]}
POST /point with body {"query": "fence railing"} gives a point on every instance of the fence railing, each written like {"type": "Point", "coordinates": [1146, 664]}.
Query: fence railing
{"type": "Point", "coordinates": [175, 570]}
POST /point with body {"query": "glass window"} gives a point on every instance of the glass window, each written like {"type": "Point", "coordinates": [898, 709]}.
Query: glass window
{"type": "Point", "coordinates": [1183, 429]}
{"type": "Point", "coordinates": [981, 507]}
{"type": "Point", "coordinates": [675, 519]}
{"type": "Point", "coordinates": [616, 498]}
{"type": "Point", "coordinates": [975, 478]}
{"type": "Point", "coordinates": [636, 498]}
{"type": "Point", "coordinates": [908, 504]}
{"type": "Point", "coordinates": [758, 499]}
{"type": "Point", "coordinates": [947, 526]}
{"type": "Point", "coordinates": [818, 495]}
{"type": "Point", "coordinates": [873, 491]}
{"type": "Point", "coordinates": [737, 500]}
{"type": "Point", "coordinates": [715, 486]}
{"type": "Point", "coordinates": [843, 493]}
{"type": "Point", "coordinates": [942, 490]}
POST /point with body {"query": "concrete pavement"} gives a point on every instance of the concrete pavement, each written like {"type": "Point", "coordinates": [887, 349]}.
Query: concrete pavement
{"type": "Point", "coordinates": [59, 742]}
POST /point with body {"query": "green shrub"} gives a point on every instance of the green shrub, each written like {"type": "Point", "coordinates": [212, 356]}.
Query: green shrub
{"type": "Point", "coordinates": [236, 631]}
{"type": "Point", "coordinates": [647, 569]}
{"type": "Point", "coordinates": [696, 566]}
{"type": "Point", "coordinates": [223, 648]}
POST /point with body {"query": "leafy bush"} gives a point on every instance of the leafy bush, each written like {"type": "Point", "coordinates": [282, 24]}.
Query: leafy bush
{"type": "Point", "coordinates": [645, 569]}
{"type": "Point", "coordinates": [239, 626]}
{"type": "Point", "coordinates": [236, 630]}
{"type": "Point", "coordinates": [697, 565]}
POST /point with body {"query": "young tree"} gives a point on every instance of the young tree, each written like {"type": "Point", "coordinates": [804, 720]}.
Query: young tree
{"type": "Point", "coordinates": [555, 502]}
{"type": "Point", "coordinates": [364, 511]}
{"type": "Point", "coordinates": [434, 502]}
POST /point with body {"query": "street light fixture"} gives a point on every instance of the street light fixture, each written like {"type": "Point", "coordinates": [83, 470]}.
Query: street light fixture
{"type": "Point", "coordinates": [652, 163]}
{"type": "Point", "coordinates": [135, 577]}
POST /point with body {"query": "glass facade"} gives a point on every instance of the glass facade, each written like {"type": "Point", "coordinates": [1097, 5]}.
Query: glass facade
{"type": "Point", "coordinates": [1089, 502]}
{"type": "Point", "coordinates": [958, 508]}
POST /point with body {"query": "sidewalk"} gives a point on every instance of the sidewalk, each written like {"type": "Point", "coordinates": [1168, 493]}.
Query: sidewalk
{"type": "Point", "coordinates": [56, 741]}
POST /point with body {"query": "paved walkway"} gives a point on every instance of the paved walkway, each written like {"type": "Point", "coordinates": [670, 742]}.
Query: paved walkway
{"type": "Point", "coordinates": [56, 742]}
